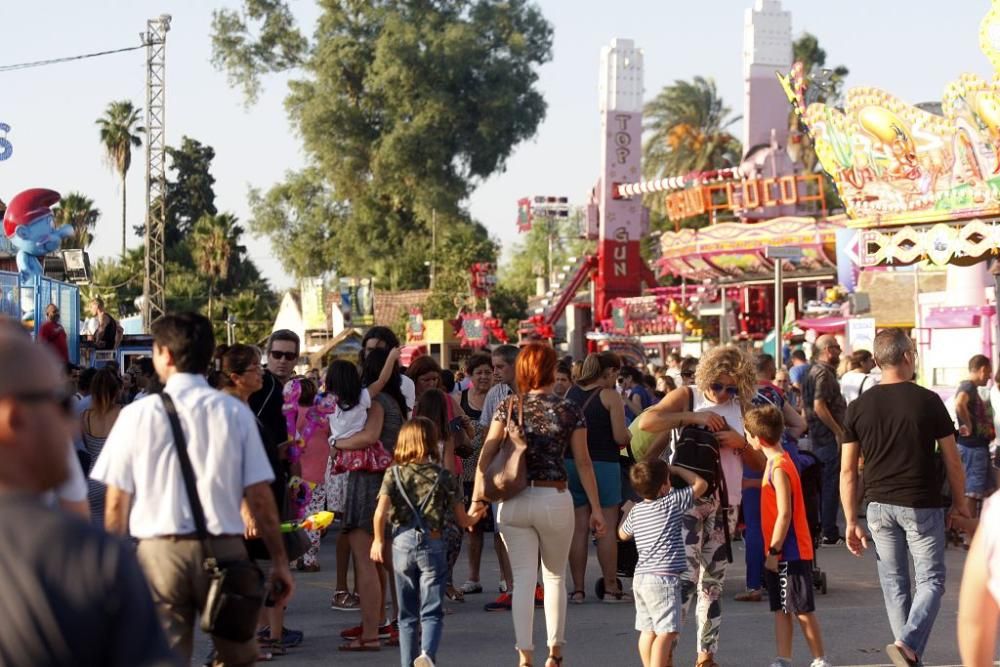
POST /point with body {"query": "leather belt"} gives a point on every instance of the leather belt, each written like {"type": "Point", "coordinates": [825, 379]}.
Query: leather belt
{"type": "Point", "coordinates": [549, 484]}
{"type": "Point", "coordinates": [192, 536]}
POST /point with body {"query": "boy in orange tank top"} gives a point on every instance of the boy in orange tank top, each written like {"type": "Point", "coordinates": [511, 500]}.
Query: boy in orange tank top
{"type": "Point", "coordinates": [788, 568]}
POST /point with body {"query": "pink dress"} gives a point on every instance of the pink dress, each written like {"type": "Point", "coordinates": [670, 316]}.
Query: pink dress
{"type": "Point", "coordinates": [316, 457]}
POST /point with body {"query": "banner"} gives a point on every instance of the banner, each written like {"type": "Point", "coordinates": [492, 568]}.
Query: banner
{"type": "Point", "coordinates": [357, 301]}
{"type": "Point", "coordinates": [313, 295]}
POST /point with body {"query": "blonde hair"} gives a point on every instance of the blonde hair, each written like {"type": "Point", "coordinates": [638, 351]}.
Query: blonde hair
{"type": "Point", "coordinates": [728, 360]}
{"type": "Point", "coordinates": [418, 439]}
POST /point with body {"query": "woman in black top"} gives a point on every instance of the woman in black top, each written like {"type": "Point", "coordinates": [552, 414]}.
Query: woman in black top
{"type": "Point", "coordinates": [538, 520]}
{"type": "Point", "coordinates": [604, 412]}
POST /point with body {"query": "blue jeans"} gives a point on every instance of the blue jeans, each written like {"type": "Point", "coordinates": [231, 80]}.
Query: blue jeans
{"type": "Point", "coordinates": [753, 539]}
{"type": "Point", "coordinates": [420, 568]}
{"type": "Point", "coordinates": [897, 530]}
{"type": "Point", "coordinates": [829, 455]}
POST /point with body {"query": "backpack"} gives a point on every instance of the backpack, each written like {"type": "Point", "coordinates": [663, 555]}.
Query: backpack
{"type": "Point", "coordinates": [697, 450]}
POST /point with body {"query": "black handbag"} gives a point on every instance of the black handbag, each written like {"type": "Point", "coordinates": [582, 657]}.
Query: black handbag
{"type": "Point", "coordinates": [236, 588]}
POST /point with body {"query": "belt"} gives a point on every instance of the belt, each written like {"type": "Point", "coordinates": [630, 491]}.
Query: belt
{"type": "Point", "coordinates": [549, 484]}
{"type": "Point", "coordinates": [433, 534]}
{"type": "Point", "coordinates": [192, 536]}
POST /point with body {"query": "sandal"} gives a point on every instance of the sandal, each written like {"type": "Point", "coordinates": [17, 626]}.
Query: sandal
{"type": "Point", "coordinates": [577, 600]}
{"type": "Point", "coordinates": [361, 645]}
{"type": "Point", "coordinates": [707, 662]}
{"type": "Point", "coordinates": [274, 647]}
{"type": "Point", "coordinates": [749, 595]}
{"type": "Point", "coordinates": [454, 594]}
{"type": "Point", "coordinates": [555, 659]}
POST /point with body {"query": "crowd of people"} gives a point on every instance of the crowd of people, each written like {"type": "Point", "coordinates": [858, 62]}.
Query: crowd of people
{"type": "Point", "coordinates": [198, 455]}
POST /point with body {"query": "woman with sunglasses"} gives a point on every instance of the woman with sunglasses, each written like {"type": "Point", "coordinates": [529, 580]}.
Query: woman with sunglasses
{"type": "Point", "coordinates": [725, 383]}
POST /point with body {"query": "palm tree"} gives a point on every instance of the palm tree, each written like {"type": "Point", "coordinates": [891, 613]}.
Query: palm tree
{"type": "Point", "coordinates": [688, 127]}
{"type": "Point", "coordinates": [120, 130]}
{"type": "Point", "coordinates": [212, 245]}
{"type": "Point", "coordinates": [78, 210]}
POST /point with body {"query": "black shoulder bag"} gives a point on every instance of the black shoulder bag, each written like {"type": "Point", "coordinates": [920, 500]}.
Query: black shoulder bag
{"type": "Point", "coordinates": [236, 588]}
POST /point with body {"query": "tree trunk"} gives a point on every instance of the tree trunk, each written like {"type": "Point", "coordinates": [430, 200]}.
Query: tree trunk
{"type": "Point", "coordinates": [123, 215]}
{"type": "Point", "coordinates": [211, 294]}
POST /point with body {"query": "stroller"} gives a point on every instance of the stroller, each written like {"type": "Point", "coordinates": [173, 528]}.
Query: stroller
{"type": "Point", "coordinates": [811, 476]}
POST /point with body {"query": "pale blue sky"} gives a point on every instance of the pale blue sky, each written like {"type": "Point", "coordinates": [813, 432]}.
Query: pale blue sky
{"type": "Point", "coordinates": [911, 48]}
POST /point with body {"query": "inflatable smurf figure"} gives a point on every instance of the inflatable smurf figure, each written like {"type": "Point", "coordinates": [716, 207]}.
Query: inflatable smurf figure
{"type": "Point", "coordinates": [30, 226]}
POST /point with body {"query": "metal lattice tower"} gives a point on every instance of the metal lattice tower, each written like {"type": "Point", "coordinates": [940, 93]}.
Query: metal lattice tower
{"type": "Point", "coordinates": [154, 282]}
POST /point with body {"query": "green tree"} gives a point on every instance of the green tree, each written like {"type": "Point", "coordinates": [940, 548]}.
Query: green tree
{"type": "Point", "coordinates": [529, 257]}
{"type": "Point", "coordinates": [119, 132]}
{"type": "Point", "coordinates": [212, 248]}
{"type": "Point", "coordinates": [77, 210]}
{"type": "Point", "coordinates": [688, 129]}
{"type": "Point", "coordinates": [403, 108]}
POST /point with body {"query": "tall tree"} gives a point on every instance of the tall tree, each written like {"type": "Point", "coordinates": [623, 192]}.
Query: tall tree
{"type": "Point", "coordinates": [212, 249]}
{"type": "Point", "coordinates": [119, 131]}
{"type": "Point", "coordinates": [688, 129]}
{"type": "Point", "coordinates": [77, 210]}
{"type": "Point", "coordinates": [404, 107]}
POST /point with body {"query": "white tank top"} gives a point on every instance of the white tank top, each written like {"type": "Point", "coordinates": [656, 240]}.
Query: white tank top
{"type": "Point", "coordinates": [732, 463]}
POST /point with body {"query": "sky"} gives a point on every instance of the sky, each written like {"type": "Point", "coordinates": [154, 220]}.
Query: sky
{"type": "Point", "coordinates": [911, 48]}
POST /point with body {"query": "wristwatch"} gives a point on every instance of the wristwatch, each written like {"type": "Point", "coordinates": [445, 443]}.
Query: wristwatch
{"type": "Point", "coordinates": [774, 551]}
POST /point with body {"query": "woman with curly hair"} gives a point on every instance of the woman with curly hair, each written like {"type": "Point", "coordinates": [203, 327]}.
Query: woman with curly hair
{"type": "Point", "coordinates": [725, 384]}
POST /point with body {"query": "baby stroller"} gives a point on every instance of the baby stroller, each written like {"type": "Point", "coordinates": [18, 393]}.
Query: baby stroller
{"type": "Point", "coordinates": [811, 476]}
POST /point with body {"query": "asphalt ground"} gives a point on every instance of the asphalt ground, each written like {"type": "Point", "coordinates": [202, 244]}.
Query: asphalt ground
{"type": "Point", "coordinates": [852, 616]}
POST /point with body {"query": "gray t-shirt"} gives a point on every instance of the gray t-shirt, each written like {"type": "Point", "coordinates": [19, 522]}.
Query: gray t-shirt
{"type": "Point", "coordinates": [71, 594]}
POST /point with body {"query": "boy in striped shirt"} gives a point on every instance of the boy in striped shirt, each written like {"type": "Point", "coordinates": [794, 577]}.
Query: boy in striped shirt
{"type": "Point", "coordinates": [788, 568]}
{"type": "Point", "coordinates": [655, 523]}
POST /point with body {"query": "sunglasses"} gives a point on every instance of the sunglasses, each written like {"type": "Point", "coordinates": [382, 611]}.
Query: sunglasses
{"type": "Point", "coordinates": [287, 356]}
{"type": "Point", "coordinates": [63, 400]}
{"type": "Point", "coordinates": [731, 389]}
{"type": "Point", "coordinates": [687, 374]}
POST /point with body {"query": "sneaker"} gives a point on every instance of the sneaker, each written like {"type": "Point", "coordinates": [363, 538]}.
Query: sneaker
{"type": "Point", "coordinates": [832, 541]}
{"type": "Point", "coordinates": [291, 638]}
{"type": "Point", "coordinates": [469, 588]}
{"type": "Point", "coordinates": [344, 601]}
{"type": "Point", "coordinates": [393, 639]}
{"type": "Point", "coordinates": [423, 660]}
{"type": "Point", "coordinates": [502, 603]}
{"type": "Point", "coordinates": [539, 596]}
{"type": "Point", "coordinates": [899, 657]}
{"type": "Point", "coordinates": [749, 595]}
{"type": "Point", "coordinates": [820, 662]}
{"type": "Point", "coordinates": [384, 632]}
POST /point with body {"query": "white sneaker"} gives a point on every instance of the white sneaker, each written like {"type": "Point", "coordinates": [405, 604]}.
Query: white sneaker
{"type": "Point", "coordinates": [471, 587]}
{"type": "Point", "coordinates": [820, 662]}
{"type": "Point", "coordinates": [423, 660]}
{"type": "Point", "coordinates": [503, 587]}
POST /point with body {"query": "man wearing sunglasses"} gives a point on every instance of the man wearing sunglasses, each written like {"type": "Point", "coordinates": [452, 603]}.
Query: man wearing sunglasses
{"type": "Point", "coordinates": [65, 583]}
{"type": "Point", "coordinates": [825, 411]}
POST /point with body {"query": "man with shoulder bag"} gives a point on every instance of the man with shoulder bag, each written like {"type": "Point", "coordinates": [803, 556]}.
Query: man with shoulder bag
{"type": "Point", "coordinates": [185, 464]}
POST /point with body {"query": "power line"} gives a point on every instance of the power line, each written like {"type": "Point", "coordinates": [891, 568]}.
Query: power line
{"type": "Point", "coordinates": [55, 61]}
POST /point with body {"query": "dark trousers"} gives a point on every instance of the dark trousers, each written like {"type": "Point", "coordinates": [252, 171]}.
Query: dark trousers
{"type": "Point", "coordinates": [828, 454]}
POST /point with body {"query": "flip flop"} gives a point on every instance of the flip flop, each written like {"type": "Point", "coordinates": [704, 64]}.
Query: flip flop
{"type": "Point", "coordinates": [361, 645]}
{"type": "Point", "coordinates": [577, 600]}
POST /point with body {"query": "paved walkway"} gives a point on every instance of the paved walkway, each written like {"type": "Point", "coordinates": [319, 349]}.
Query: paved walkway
{"type": "Point", "coordinates": [852, 617]}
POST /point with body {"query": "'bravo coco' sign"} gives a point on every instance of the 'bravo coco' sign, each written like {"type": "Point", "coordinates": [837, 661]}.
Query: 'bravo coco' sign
{"type": "Point", "coordinates": [6, 149]}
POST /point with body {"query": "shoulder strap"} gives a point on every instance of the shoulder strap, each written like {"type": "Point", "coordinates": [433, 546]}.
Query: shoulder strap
{"type": "Point", "coordinates": [186, 470]}
{"type": "Point", "coordinates": [593, 394]}
{"type": "Point", "coordinates": [418, 510]}
{"type": "Point", "coordinates": [861, 387]}
{"type": "Point", "coordinates": [690, 399]}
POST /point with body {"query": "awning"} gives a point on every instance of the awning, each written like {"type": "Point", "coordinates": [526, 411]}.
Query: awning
{"type": "Point", "coordinates": [408, 353]}
{"type": "Point", "coordinates": [823, 324]}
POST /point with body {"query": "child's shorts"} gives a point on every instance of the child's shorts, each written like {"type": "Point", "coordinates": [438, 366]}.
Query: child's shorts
{"type": "Point", "coordinates": [790, 589]}
{"type": "Point", "coordinates": [976, 461]}
{"type": "Point", "coordinates": [657, 603]}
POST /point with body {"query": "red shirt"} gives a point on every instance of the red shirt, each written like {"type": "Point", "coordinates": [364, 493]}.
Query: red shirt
{"type": "Point", "coordinates": [53, 334]}
{"type": "Point", "coordinates": [798, 541]}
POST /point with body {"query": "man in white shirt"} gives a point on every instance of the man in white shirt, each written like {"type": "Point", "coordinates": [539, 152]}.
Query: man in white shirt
{"type": "Point", "coordinates": [859, 377]}
{"type": "Point", "coordinates": [140, 466]}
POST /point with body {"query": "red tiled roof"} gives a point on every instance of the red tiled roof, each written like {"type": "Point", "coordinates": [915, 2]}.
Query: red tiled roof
{"type": "Point", "coordinates": [391, 306]}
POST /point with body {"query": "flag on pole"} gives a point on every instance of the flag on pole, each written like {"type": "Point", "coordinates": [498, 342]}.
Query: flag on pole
{"type": "Point", "coordinates": [524, 214]}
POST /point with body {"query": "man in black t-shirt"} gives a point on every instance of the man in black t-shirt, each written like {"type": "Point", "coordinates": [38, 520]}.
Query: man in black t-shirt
{"type": "Point", "coordinates": [904, 433]}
